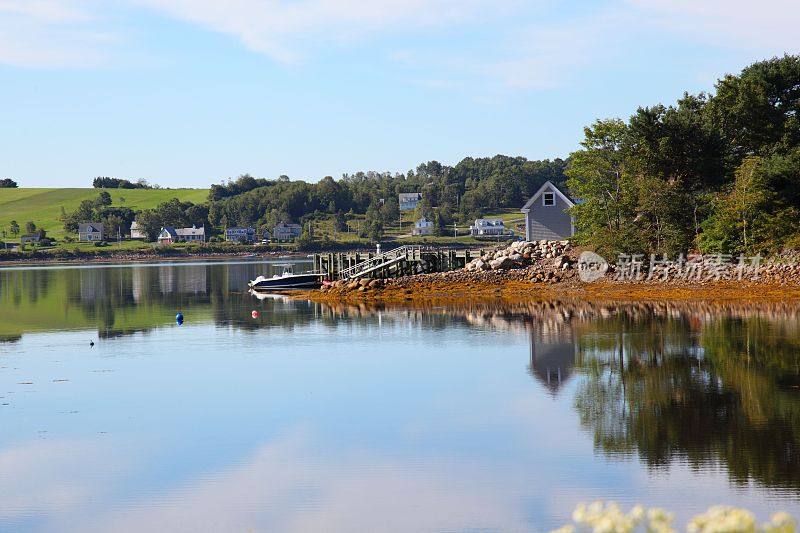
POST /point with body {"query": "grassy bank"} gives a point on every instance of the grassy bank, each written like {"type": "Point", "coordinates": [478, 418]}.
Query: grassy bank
{"type": "Point", "coordinates": [43, 206]}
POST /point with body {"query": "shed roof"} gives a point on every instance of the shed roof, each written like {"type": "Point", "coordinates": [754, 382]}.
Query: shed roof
{"type": "Point", "coordinates": [546, 187]}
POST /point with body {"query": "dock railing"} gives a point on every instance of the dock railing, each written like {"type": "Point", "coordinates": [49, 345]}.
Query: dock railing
{"type": "Point", "coordinates": [379, 261]}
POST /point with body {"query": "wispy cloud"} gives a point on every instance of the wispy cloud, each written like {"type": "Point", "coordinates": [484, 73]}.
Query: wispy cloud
{"type": "Point", "coordinates": [286, 30]}
{"type": "Point", "coordinates": [526, 52]}
{"type": "Point", "coordinates": [51, 34]}
{"type": "Point", "coordinates": [767, 25]}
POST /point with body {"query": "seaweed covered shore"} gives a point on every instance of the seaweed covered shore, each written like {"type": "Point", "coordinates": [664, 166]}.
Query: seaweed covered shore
{"type": "Point", "coordinates": [550, 269]}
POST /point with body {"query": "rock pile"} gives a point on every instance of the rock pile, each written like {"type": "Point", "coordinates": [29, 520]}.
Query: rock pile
{"type": "Point", "coordinates": [522, 254]}
{"type": "Point", "coordinates": [538, 262]}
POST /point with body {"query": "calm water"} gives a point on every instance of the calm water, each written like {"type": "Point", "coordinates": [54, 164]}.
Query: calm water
{"type": "Point", "coordinates": [313, 418]}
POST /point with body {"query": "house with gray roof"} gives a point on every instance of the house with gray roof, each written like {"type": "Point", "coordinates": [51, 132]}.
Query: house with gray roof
{"type": "Point", "coordinates": [169, 235]}
{"type": "Point", "coordinates": [90, 232]}
{"type": "Point", "coordinates": [409, 200]}
{"type": "Point", "coordinates": [547, 215]}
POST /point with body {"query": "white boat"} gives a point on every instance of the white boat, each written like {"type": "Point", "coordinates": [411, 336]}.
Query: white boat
{"type": "Point", "coordinates": [287, 280]}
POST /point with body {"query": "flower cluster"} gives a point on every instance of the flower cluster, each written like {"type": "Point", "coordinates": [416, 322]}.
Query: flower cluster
{"type": "Point", "coordinates": [602, 517]}
{"type": "Point", "coordinates": [723, 519]}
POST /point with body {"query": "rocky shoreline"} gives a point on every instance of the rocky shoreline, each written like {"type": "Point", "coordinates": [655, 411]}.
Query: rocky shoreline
{"type": "Point", "coordinates": [546, 269]}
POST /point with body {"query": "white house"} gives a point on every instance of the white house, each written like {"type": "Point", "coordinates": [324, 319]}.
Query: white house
{"type": "Point", "coordinates": [547, 216]}
{"type": "Point", "coordinates": [239, 234]}
{"type": "Point", "coordinates": [422, 226]}
{"type": "Point", "coordinates": [489, 227]}
{"type": "Point", "coordinates": [286, 231]}
{"type": "Point", "coordinates": [169, 235]}
{"type": "Point", "coordinates": [137, 232]}
{"type": "Point", "coordinates": [90, 232]}
{"type": "Point", "coordinates": [409, 200]}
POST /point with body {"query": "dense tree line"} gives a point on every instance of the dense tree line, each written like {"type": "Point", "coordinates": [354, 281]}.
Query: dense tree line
{"type": "Point", "coordinates": [102, 182]}
{"type": "Point", "coordinates": [715, 172]}
{"type": "Point", "coordinates": [461, 192]}
{"type": "Point", "coordinates": [8, 183]}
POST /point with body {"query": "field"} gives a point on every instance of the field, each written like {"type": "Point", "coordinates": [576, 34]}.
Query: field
{"type": "Point", "coordinates": [43, 206]}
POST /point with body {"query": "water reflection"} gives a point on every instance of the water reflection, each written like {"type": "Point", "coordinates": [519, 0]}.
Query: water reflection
{"type": "Point", "coordinates": [701, 383]}
{"type": "Point", "coordinates": [122, 301]}
{"type": "Point", "coordinates": [480, 415]}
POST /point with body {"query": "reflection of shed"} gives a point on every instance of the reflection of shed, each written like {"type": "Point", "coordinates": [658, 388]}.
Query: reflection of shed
{"type": "Point", "coordinates": [552, 357]}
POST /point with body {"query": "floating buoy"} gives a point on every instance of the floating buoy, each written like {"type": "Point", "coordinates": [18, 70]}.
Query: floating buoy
{"type": "Point", "coordinates": [179, 318]}
{"type": "Point", "coordinates": [254, 314]}
{"type": "Point", "coordinates": [91, 343]}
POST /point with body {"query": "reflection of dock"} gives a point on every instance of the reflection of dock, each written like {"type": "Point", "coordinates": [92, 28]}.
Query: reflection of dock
{"type": "Point", "coordinates": [93, 284]}
{"type": "Point", "coordinates": [186, 279]}
{"type": "Point", "coordinates": [552, 356]}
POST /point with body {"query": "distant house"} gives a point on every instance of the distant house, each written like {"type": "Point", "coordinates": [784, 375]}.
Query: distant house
{"type": "Point", "coordinates": [170, 235]}
{"type": "Point", "coordinates": [137, 232]}
{"type": "Point", "coordinates": [240, 234]}
{"type": "Point", "coordinates": [90, 232]}
{"type": "Point", "coordinates": [265, 236]}
{"type": "Point", "coordinates": [489, 227]}
{"type": "Point", "coordinates": [409, 200]}
{"type": "Point", "coordinates": [286, 231]}
{"type": "Point", "coordinates": [33, 238]}
{"type": "Point", "coordinates": [547, 216]}
{"type": "Point", "coordinates": [422, 226]}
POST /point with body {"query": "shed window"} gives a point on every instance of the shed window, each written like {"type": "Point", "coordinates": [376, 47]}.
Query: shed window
{"type": "Point", "coordinates": [548, 199]}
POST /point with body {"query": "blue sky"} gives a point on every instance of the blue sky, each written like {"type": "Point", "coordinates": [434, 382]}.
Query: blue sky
{"type": "Point", "coordinates": [189, 92]}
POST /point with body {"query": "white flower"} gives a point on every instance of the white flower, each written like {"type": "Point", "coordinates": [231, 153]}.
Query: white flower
{"type": "Point", "coordinates": [602, 517]}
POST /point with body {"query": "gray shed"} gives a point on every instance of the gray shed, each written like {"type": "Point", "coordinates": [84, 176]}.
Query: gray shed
{"type": "Point", "coordinates": [546, 216]}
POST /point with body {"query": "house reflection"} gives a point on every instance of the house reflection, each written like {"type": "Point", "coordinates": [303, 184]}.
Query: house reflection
{"type": "Point", "coordinates": [188, 279]}
{"type": "Point", "coordinates": [553, 351]}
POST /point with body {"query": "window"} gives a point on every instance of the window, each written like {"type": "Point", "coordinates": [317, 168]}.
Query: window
{"type": "Point", "coordinates": [549, 199]}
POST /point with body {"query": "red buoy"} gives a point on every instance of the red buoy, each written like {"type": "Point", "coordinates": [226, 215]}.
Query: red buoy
{"type": "Point", "coordinates": [254, 314]}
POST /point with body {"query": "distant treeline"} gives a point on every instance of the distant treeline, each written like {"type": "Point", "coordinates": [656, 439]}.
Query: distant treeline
{"type": "Point", "coordinates": [8, 183]}
{"type": "Point", "coordinates": [103, 182]}
{"type": "Point", "coordinates": [464, 191]}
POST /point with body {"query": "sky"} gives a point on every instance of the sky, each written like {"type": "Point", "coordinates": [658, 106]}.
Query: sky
{"type": "Point", "coordinates": [185, 93]}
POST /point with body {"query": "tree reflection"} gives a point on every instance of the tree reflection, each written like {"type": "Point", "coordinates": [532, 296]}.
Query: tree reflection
{"type": "Point", "coordinates": [721, 391]}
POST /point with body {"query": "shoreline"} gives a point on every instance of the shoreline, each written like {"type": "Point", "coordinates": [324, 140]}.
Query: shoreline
{"type": "Point", "coordinates": [517, 291]}
{"type": "Point", "coordinates": [149, 257]}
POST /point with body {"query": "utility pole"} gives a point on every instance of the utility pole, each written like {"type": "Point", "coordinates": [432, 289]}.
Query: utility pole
{"type": "Point", "coordinates": [455, 231]}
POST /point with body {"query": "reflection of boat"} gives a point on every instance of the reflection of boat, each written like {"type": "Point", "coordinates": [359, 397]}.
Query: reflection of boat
{"type": "Point", "coordinates": [287, 280]}
{"type": "Point", "coordinates": [268, 295]}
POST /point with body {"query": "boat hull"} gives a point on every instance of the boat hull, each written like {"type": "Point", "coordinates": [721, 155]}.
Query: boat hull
{"type": "Point", "coordinates": [299, 281]}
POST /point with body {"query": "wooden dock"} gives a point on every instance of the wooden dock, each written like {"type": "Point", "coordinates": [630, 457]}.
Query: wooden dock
{"type": "Point", "coordinates": [402, 261]}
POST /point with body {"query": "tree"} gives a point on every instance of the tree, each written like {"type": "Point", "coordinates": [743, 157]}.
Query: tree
{"type": "Point", "coordinates": [758, 111]}
{"type": "Point", "coordinates": [84, 213]}
{"type": "Point", "coordinates": [340, 221]}
{"type": "Point", "coordinates": [114, 225]}
{"type": "Point", "coordinates": [14, 227]}
{"type": "Point", "coordinates": [8, 183]}
{"type": "Point", "coordinates": [30, 228]}
{"type": "Point", "coordinates": [103, 199]}
{"type": "Point", "coordinates": [598, 175]}
{"type": "Point", "coordinates": [150, 223]}
{"type": "Point", "coordinates": [755, 214]}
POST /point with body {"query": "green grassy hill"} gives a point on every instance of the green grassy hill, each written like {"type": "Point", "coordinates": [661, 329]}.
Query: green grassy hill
{"type": "Point", "coordinates": [43, 206]}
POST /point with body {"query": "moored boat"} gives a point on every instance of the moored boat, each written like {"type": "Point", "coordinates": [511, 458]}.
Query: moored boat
{"type": "Point", "coordinates": [287, 280]}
